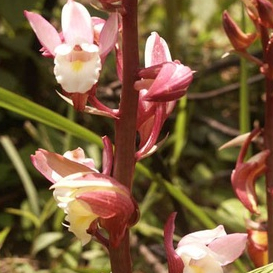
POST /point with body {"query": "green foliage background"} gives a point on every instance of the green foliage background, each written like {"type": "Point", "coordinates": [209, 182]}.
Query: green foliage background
{"type": "Point", "coordinates": [188, 174]}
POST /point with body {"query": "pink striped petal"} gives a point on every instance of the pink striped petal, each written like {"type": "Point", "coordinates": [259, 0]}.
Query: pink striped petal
{"type": "Point", "coordinates": [76, 24]}
{"type": "Point", "coordinates": [54, 166]}
{"type": "Point", "coordinates": [156, 50]}
{"type": "Point", "coordinates": [109, 35]}
{"type": "Point", "coordinates": [228, 248]}
{"type": "Point", "coordinates": [171, 83]}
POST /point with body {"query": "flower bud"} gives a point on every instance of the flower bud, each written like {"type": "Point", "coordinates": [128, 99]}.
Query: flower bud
{"type": "Point", "coordinates": [265, 9]}
{"type": "Point", "coordinates": [237, 37]}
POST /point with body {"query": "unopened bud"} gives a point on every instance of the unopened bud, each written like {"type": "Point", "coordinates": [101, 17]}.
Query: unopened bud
{"type": "Point", "coordinates": [265, 9]}
{"type": "Point", "coordinates": [237, 37]}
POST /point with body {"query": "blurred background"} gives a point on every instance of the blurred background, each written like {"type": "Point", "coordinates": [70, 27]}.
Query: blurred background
{"type": "Point", "coordinates": [189, 170]}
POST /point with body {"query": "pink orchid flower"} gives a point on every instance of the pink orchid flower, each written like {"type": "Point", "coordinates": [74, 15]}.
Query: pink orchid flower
{"type": "Point", "coordinates": [164, 79]}
{"type": "Point", "coordinates": [89, 199]}
{"type": "Point", "coordinates": [77, 58]}
{"type": "Point", "coordinates": [202, 251]}
{"type": "Point", "coordinates": [245, 174]}
{"type": "Point", "coordinates": [152, 114]}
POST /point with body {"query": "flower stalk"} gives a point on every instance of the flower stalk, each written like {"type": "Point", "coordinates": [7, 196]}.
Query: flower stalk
{"type": "Point", "coordinates": [125, 126]}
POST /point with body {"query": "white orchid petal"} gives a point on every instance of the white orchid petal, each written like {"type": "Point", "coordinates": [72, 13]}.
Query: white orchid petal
{"type": "Point", "coordinates": [77, 76]}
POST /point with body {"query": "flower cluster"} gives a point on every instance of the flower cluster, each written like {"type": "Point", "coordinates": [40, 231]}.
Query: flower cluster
{"type": "Point", "coordinates": [90, 199]}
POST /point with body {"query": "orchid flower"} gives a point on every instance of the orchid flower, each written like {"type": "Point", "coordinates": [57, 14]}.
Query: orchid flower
{"type": "Point", "coordinates": [163, 81]}
{"type": "Point", "coordinates": [245, 174]}
{"type": "Point", "coordinates": [89, 199]}
{"type": "Point", "coordinates": [77, 58]}
{"type": "Point", "coordinates": [202, 251]}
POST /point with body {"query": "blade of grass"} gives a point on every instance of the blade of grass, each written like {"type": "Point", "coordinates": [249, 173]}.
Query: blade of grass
{"type": "Point", "coordinates": [29, 109]}
{"type": "Point", "coordinates": [244, 93]}
{"type": "Point", "coordinates": [22, 172]}
{"type": "Point", "coordinates": [27, 214]}
{"type": "Point", "coordinates": [180, 131]}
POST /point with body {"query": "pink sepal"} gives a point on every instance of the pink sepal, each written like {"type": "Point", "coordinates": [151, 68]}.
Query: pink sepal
{"type": "Point", "coordinates": [107, 156]}
{"type": "Point", "coordinates": [245, 174]}
{"type": "Point", "coordinates": [108, 35]}
{"type": "Point", "coordinates": [154, 129]}
{"type": "Point", "coordinates": [156, 50]}
{"type": "Point", "coordinates": [175, 263]}
{"type": "Point", "coordinates": [228, 248]}
{"type": "Point", "coordinates": [114, 209]}
{"type": "Point", "coordinates": [243, 179]}
{"type": "Point", "coordinates": [171, 83]}
{"type": "Point", "coordinates": [45, 32]}
{"type": "Point", "coordinates": [54, 166]}
{"type": "Point", "coordinates": [76, 24]}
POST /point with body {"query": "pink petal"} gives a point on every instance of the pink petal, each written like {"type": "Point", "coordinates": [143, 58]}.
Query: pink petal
{"type": "Point", "coordinates": [156, 50]}
{"type": "Point", "coordinates": [228, 248]}
{"type": "Point", "coordinates": [203, 236]}
{"type": "Point", "coordinates": [175, 263]}
{"type": "Point", "coordinates": [76, 24]}
{"type": "Point", "coordinates": [45, 32]}
{"type": "Point", "coordinates": [114, 209]}
{"type": "Point", "coordinates": [108, 35]}
{"type": "Point", "coordinates": [154, 129]}
{"type": "Point", "coordinates": [47, 163]}
{"type": "Point", "coordinates": [107, 156]}
{"type": "Point", "coordinates": [171, 83]}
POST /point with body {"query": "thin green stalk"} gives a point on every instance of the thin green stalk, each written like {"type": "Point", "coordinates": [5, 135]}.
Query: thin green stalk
{"type": "Point", "coordinates": [172, 19]}
{"type": "Point", "coordinates": [244, 99]}
{"type": "Point", "coordinates": [125, 126]}
{"type": "Point", "coordinates": [244, 93]}
{"type": "Point", "coordinates": [23, 173]}
{"type": "Point", "coordinates": [180, 132]}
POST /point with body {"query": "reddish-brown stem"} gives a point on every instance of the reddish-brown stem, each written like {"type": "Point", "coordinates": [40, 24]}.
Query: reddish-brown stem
{"type": "Point", "coordinates": [268, 138]}
{"type": "Point", "coordinates": [125, 126]}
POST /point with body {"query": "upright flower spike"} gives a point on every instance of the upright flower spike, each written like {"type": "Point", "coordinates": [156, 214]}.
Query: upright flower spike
{"type": "Point", "coordinates": [89, 199]}
{"type": "Point", "coordinates": [77, 58]}
{"type": "Point", "coordinates": [203, 251]}
{"type": "Point", "coordinates": [245, 174]}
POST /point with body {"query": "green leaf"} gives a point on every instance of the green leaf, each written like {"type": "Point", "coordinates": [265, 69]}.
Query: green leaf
{"type": "Point", "coordinates": [22, 172]}
{"type": "Point", "coordinates": [44, 240]}
{"type": "Point", "coordinates": [29, 109]}
{"type": "Point", "coordinates": [23, 213]}
{"type": "Point", "coordinates": [3, 235]}
{"type": "Point", "coordinates": [264, 269]}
